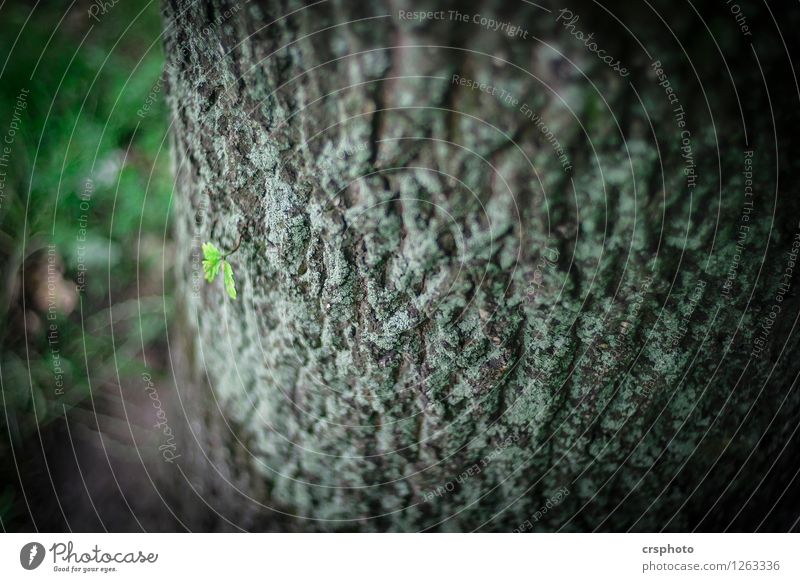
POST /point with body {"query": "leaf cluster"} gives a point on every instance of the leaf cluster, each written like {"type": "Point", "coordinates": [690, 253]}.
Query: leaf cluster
{"type": "Point", "coordinates": [215, 261]}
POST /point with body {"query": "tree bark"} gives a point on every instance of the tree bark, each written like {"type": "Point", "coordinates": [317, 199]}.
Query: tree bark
{"type": "Point", "coordinates": [459, 313]}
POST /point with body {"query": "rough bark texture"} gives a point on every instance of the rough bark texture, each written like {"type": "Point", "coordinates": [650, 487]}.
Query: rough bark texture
{"type": "Point", "coordinates": [441, 327]}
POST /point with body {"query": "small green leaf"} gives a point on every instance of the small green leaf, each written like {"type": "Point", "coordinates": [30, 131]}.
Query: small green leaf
{"type": "Point", "coordinates": [230, 285]}
{"type": "Point", "coordinates": [211, 269]}
{"type": "Point", "coordinates": [213, 261]}
{"type": "Point", "coordinates": [211, 252]}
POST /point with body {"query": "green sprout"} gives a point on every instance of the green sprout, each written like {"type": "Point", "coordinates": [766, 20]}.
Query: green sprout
{"type": "Point", "coordinates": [214, 261]}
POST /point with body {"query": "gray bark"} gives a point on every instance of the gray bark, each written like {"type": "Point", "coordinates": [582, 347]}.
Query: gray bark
{"type": "Point", "coordinates": [438, 325]}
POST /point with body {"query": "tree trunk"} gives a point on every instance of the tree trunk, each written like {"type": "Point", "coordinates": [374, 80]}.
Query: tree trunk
{"type": "Point", "coordinates": [491, 308]}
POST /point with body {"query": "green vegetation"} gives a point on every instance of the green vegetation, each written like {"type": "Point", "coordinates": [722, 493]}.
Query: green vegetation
{"type": "Point", "coordinates": [84, 242]}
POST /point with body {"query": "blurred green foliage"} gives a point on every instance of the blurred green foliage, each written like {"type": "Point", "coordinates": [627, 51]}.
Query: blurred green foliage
{"type": "Point", "coordinates": [87, 172]}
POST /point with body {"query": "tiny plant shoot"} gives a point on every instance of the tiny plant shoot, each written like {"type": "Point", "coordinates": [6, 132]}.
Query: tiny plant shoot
{"type": "Point", "coordinates": [214, 261]}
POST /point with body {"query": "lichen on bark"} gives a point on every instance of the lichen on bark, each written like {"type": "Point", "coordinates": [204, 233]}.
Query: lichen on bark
{"type": "Point", "coordinates": [438, 326]}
